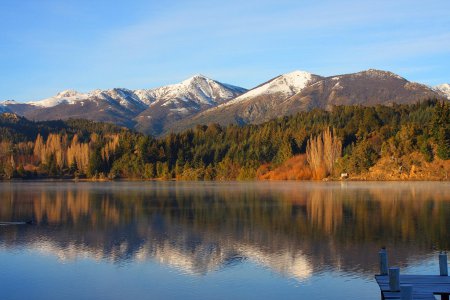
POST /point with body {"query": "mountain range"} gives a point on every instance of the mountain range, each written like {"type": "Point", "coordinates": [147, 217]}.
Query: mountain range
{"type": "Point", "coordinates": [201, 100]}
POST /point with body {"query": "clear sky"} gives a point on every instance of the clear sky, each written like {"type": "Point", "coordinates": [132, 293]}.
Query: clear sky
{"type": "Point", "coordinates": [51, 45]}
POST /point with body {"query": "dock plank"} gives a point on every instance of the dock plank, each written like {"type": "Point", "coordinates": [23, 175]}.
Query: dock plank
{"type": "Point", "coordinates": [424, 286]}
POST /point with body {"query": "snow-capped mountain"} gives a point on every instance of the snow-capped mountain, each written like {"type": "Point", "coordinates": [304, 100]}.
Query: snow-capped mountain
{"type": "Point", "coordinates": [4, 105]}
{"type": "Point", "coordinates": [67, 96]}
{"type": "Point", "coordinates": [178, 101]}
{"type": "Point", "coordinates": [117, 106]}
{"type": "Point", "coordinates": [258, 104]}
{"type": "Point", "coordinates": [282, 86]}
{"type": "Point", "coordinates": [201, 100]}
{"type": "Point", "coordinates": [301, 91]}
{"type": "Point", "coordinates": [198, 88]}
{"type": "Point", "coordinates": [123, 97]}
{"type": "Point", "coordinates": [18, 108]}
{"type": "Point", "coordinates": [7, 102]}
{"type": "Point", "coordinates": [147, 109]}
{"type": "Point", "coordinates": [444, 89]}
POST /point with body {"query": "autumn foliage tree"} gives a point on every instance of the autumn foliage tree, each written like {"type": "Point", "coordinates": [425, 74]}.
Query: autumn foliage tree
{"type": "Point", "coordinates": [322, 152]}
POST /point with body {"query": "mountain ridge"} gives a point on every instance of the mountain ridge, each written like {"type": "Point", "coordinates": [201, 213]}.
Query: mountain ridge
{"type": "Point", "coordinates": [201, 100]}
{"type": "Point", "coordinates": [145, 109]}
{"type": "Point", "coordinates": [367, 87]}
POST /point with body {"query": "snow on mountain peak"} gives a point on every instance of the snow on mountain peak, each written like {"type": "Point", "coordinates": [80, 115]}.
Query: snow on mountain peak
{"type": "Point", "coordinates": [443, 89]}
{"type": "Point", "coordinates": [287, 84]}
{"type": "Point", "coordinates": [123, 96]}
{"type": "Point", "coordinates": [67, 96]}
{"type": "Point", "coordinates": [196, 80]}
{"type": "Point", "coordinates": [198, 88]}
{"type": "Point", "coordinates": [3, 105]}
{"type": "Point", "coordinates": [8, 102]}
{"type": "Point", "coordinates": [297, 80]}
{"type": "Point", "coordinates": [67, 93]}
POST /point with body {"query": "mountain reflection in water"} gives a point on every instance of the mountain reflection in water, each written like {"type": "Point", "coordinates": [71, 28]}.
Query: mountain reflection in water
{"type": "Point", "coordinates": [294, 229]}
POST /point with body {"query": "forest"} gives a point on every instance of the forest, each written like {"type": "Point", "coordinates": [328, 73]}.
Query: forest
{"type": "Point", "coordinates": [381, 142]}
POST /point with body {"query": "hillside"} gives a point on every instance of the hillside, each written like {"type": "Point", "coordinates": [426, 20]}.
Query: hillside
{"type": "Point", "coordinates": [365, 142]}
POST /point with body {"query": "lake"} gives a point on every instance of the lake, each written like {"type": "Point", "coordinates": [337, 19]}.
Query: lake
{"type": "Point", "coordinates": [216, 240]}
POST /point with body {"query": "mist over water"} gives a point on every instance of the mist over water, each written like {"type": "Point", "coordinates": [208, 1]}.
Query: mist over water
{"type": "Point", "coordinates": [212, 240]}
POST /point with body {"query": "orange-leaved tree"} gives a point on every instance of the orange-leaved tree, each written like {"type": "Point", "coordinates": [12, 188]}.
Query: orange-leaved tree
{"type": "Point", "coordinates": [322, 152]}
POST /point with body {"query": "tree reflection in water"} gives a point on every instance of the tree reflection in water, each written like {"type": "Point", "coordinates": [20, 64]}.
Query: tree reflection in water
{"type": "Point", "coordinates": [291, 228]}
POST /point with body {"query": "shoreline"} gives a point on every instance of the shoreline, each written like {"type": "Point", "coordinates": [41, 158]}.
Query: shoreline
{"type": "Point", "coordinates": [230, 180]}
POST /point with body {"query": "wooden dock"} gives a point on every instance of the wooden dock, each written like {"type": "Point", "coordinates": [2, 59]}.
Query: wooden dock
{"type": "Point", "coordinates": [408, 287]}
{"type": "Point", "coordinates": [424, 286]}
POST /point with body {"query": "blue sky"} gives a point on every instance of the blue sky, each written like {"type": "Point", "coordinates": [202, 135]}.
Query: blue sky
{"type": "Point", "coordinates": [49, 46]}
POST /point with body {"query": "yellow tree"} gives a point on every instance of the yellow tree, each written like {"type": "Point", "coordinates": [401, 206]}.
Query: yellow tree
{"type": "Point", "coordinates": [39, 149]}
{"type": "Point", "coordinates": [322, 152]}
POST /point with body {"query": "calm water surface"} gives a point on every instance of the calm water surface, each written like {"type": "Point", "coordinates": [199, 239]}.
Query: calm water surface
{"type": "Point", "coordinates": [184, 240]}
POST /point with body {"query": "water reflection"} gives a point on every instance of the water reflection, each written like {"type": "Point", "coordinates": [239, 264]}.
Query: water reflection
{"type": "Point", "coordinates": [294, 229]}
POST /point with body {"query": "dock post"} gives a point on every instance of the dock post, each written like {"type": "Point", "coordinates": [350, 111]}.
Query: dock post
{"type": "Point", "coordinates": [406, 292]}
{"type": "Point", "coordinates": [394, 279]}
{"type": "Point", "coordinates": [443, 266]}
{"type": "Point", "coordinates": [383, 261]}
